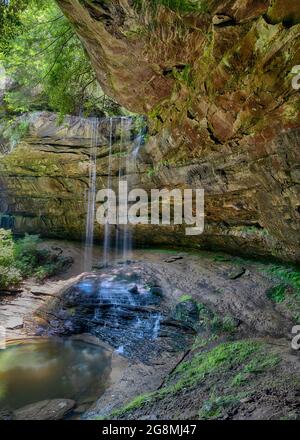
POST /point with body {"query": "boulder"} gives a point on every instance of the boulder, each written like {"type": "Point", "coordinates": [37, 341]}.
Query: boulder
{"type": "Point", "coordinates": [55, 409]}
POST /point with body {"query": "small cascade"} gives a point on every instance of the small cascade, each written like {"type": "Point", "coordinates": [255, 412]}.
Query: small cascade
{"type": "Point", "coordinates": [139, 142]}
{"type": "Point", "coordinates": [119, 309]}
{"type": "Point", "coordinates": [91, 197]}
{"type": "Point", "coordinates": [156, 327]}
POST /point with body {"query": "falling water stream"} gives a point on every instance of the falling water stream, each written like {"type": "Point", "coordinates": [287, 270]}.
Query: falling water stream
{"type": "Point", "coordinates": [118, 315]}
{"type": "Point", "coordinates": [124, 243]}
{"type": "Point", "coordinates": [107, 228]}
{"type": "Point", "coordinates": [91, 199]}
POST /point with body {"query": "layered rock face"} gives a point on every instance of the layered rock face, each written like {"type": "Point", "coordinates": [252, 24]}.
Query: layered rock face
{"type": "Point", "coordinates": [216, 84]}
{"type": "Point", "coordinates": [215, 80]}
{"type": "Point", "coordinates": [44, 184]}
{"type": "Point", "coordinates": [44, 180]}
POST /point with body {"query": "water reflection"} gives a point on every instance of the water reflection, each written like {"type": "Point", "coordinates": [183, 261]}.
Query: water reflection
{"type": "Point", "coordinates": [53, 368]}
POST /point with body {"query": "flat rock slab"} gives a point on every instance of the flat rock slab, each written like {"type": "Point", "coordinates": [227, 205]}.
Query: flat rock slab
{"type": "Point", "coordinates": [8, 292]}
{"type": "Point", "coordinates": [236, 273]}
{"type": "Point", "coordinates": [174, 258]}
{"type": "Point", "coordinates": [54, 409]}
{"type": "Point", "coordinates": [14, 323]}
{"type": "Point", "coordinates": [41, 291]}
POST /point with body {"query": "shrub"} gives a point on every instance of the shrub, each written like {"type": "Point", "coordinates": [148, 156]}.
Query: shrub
{"type": "Point", "coordinates": [6, 248]}
{"type": "Point", "coordinates": [25, 257]}
{"type": "Point", "coordinates": [26, 254]}
{"type": "Point", "coordinates": [9, 276]}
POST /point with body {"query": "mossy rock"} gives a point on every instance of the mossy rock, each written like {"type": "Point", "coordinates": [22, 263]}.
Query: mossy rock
{"type": "Point", "coordinates": [187, 311]}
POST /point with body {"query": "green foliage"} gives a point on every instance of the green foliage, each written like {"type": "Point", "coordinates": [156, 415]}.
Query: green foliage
{"type": "Point", "coordinates": [224, 356]}
{"type": "Point", "coordinates": [183, 74]}
{"type": "Point", "coordinates": [215, 323]}
{"type": "Point", "coordinates": [6, 248]}
{"type": "Point", "coordinates": [262, 362]}
{"type": "Point", "coordinates": [32, 260]}
{"type": "Point", "coordinates": [9, 277]}
{"type": "Point", "coordinates": [25, 258]}
{"type": "Point", "coordinates": [10, 22]}
{"type": "Point", "coordinates": [236, 361]}
{"type": "Point", "coordinates": [9, 274]}
{"type": "Point", "coordinates": [15, 129]}
{"type": "Point", "coordinates": [151, 172]}
{"type": "Point", "coordinates": [288, 274]}
{"type": "Point", "coordinates": [48, 64]}
{"type": "Point", "coordinates": [188, 374]}
{"type": "Point", "coordinates": [287, 292]}
{"type": "Point", "coordinates": [136, 403]}
{"type": "Point", "coordinates": [185, 298]}
{"type": "Point", "coordinates": [213, 407]}
{"type": "Point", "coordinates": [277, 293]}
{"type": "Point", "coordinates": [26, 254]}
{"type": "Point", "coordinates": [259, 361]}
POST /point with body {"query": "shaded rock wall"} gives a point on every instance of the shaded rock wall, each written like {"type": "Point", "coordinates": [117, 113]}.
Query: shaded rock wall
{"type": "Point", "coordinates": [44, 183]}
{"type": "Point", "coordinates": [216, 85]}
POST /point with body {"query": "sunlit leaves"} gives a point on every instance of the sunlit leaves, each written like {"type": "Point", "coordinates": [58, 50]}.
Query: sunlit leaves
{"type": "Point", "coordinates": [46, 60]}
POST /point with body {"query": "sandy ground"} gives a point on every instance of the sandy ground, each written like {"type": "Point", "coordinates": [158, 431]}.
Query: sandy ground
{"type": "Point", "coordinates": [207, 280]}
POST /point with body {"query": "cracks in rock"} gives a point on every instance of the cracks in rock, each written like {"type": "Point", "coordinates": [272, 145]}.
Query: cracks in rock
{"type": "Point", "coordinates": [110, 14]}
{"type": "Point", "coordinates": [198, 173]}
{"type": "Point", "coordinates": [222, 20]}
{"type": "Point", "coordinates": [160, 118]}
{"type": "Point", "coordinates": [213, 136]}
{"type": "Point", "coordinates": [191, 116]}
{"type": "Point", "coordinates": [63, 152]}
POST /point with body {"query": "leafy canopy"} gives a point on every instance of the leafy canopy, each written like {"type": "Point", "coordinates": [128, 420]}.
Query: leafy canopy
{"type": "Point", "coordinates": [44, 57]}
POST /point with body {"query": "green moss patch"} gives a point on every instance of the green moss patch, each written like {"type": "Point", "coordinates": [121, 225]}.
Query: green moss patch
{"type": "Point", "coordinates": [245, 358]}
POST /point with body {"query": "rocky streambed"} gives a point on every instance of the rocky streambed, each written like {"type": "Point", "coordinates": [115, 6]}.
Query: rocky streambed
{"type": "Point", "coordinates": [188, 335]}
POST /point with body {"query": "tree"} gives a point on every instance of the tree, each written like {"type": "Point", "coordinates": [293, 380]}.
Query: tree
{"type": "Point", "coordinates": [42, 54]}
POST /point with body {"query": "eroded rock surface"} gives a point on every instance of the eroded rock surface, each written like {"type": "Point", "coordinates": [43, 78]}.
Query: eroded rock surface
{"type": "Point", "coordinates": [54, 409]}
{"type": "Point", "coordinates": [216, 83]}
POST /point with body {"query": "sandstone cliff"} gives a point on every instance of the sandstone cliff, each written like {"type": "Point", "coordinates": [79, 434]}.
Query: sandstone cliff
{"type": "Point", "coordinates": [214, 77]}
{"type": "Point", "coordinates": [215, 83]}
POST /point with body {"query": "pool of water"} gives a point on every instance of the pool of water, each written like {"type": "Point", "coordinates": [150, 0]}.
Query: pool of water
{"type": "Point", "coordinates": [50, 369]}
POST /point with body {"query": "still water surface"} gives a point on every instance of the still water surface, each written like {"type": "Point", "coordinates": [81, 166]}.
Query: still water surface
{"type": "Point", "coordinates": [50, 369]}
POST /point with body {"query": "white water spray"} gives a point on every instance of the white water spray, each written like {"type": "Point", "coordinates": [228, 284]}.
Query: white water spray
{"type": "Point", "coordinates": [91, 199]}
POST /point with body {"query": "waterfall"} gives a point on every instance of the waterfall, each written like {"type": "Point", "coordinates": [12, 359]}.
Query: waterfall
{"type": "Point", "coordinates": [91, 197]}
{"type": "Point", "coordinates": [107, 228]}
{"type": "Point", "coordinates": [117, 241]}
{"type": "Point", "coordinates": [122, 234]}
{"type": "Point", "coordinates": [127, 156]}
{"type": "Point", "coordinates": [126, 239]}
